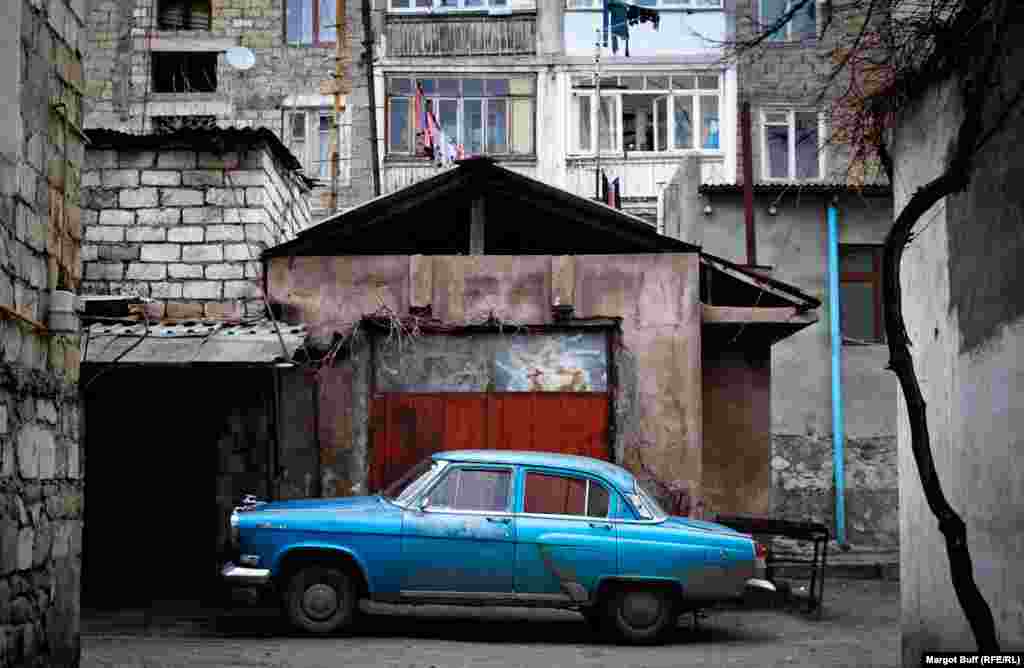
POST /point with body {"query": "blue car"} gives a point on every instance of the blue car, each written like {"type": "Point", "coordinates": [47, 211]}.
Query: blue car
{"type": "Point", "coordinates": [482, 527]}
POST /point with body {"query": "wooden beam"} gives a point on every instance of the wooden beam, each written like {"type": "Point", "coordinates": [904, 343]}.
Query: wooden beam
{"type": "Point", "coordinates": [779, 315]}
{"type": "Point", "coordinates": [477, 225]}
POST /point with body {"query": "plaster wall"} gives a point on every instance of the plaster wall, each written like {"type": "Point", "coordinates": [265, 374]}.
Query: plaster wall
{"type": "Point", "coordinates": [793, 244]}
{"type": "Point", "coordinates": [964, 321]}
{"type": "Point", "coordinates": [658, 398]}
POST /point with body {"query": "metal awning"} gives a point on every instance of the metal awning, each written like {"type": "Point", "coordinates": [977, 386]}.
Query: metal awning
{"type": "Point", "coordinates": [194, 342]}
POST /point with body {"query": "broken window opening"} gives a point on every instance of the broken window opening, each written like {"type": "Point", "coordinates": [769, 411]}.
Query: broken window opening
{"type": "Point", "coordinates": [184, 72]}
{"type": "Point", "coordinates": [183, 15]}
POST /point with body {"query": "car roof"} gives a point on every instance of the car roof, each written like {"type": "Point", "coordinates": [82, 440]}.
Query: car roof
{"type": "Point", "coordinates": [616, 475]}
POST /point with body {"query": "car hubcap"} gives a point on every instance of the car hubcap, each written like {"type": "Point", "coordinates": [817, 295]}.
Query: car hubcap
{"type": "Point", "coordinates": [320, 601]}
{"type": "Point", "coordinates": [641, 609]}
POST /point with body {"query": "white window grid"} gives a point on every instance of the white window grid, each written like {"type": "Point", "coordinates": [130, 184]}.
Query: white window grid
{"type": "Point", "coordinates": [773, 116]}
{"type": "Point", "coordinates": [584, 87]}
{"type": "Point", "coordinates": [434, 99]}
{"type": "Point", "coordinates": [314, 144]}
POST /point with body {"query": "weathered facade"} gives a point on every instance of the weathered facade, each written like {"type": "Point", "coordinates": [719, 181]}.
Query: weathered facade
{"type": "Point", "coordinates": [485, 343]}
{"type": "Point", "coordinates": [182, 218]}
{"type": "Point", "coordinates": [158, 66]}
{"type": "Point", "coordinates": [41, 461]}
{"type": "Point", "coordinates": [962, 304]}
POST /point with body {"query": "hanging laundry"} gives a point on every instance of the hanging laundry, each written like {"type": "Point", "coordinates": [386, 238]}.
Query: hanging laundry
{"type": "Point", "coordinates": [423, 146]}
{"type": "Point", "coordinates": [618, 16]}
{"type": "Point", "coordinates": [616, 195]}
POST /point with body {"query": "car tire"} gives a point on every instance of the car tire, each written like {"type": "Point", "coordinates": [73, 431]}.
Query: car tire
{"type": "Point", "coordinates": [320, 600]}
{"type": "Point", "coordinates": [642, 615]}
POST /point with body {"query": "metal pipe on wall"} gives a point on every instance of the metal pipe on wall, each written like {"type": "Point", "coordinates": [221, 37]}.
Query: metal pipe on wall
{"type": "Point", "coordinates": [838, 455]}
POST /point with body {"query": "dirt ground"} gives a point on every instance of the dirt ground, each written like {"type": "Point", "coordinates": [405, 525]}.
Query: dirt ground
{"type": "Point", "coordinates": [859, 626]}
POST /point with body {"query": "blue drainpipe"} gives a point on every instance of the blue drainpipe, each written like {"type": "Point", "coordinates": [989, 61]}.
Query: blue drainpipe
{"type": "Point", "coordinates": [837, 384]}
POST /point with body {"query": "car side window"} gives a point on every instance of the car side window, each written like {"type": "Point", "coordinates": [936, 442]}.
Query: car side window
{"type": "Point", "coordinates": [553, 494]}
{"type": "Point", "coordinates": [473, 489]}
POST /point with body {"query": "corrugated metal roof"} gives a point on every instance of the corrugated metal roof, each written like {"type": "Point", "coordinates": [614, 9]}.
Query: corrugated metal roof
{"type": "Point", "coordinates": [867, 189]}
{"type": "Point", "coordinates": [191, 343]}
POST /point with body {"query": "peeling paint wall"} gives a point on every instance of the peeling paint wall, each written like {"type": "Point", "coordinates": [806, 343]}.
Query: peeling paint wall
{"type": "Point", "coordinates": [656, 373]}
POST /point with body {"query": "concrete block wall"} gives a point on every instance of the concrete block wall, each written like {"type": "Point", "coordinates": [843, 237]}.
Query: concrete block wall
{"type": "Point", "coordinates": [121, 34]}
{"type": "Point", "coordinates": [185, 227]}
{"type": "Point", "coordinates": [41, 462]}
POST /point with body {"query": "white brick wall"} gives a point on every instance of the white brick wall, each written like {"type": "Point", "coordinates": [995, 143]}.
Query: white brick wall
{"type": "Point", "coordinates": [186, 227]}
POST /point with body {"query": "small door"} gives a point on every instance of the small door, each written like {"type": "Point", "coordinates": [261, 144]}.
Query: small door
{"type": "Point", "coordinates": [463, 541]}
{"type": "Point", "coordinates": [565, 539]}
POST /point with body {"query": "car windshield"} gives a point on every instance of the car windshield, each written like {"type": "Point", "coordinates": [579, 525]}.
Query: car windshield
{"type": "Point", "coordinates": [646, 502]}
{"type": "Point", "coordinates": [409, 485]}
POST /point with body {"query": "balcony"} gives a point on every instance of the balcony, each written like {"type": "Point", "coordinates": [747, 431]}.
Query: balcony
{"type": "Point", "coordinates": [640, 176]}
{"type": "Point", "coordinates": [434, 35]}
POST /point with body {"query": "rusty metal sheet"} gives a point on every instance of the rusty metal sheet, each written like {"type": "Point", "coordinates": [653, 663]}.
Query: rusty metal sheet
{"type": "Point", "coordinates": [193, 343]}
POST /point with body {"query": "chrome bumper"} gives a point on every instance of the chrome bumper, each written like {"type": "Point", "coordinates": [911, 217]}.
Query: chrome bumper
{"type": "Point", "coordinates": [758, 583]}
{"type": "Point", "coordinates": [244, 577]}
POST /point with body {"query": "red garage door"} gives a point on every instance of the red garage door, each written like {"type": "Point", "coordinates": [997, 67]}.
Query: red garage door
{"type": "Point", "coordinates": [408, 427]}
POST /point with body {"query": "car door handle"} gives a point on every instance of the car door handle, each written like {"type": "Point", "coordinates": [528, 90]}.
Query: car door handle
{"type": "Point", "coordinates": [600, 525]}
{"type": "Point", "coordinates": [499, 520]}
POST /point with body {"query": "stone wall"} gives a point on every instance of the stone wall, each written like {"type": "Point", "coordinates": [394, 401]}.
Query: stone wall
{"type": "Point", "coordinates": [185, 226]}
{"type": "Point", "coordinates": [123, 35]}
{"type": "Point", "coordinates": [41, 464]}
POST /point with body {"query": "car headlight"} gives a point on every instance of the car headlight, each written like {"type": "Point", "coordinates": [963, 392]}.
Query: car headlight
{"type": "Point", "coordinates": [233, 531]}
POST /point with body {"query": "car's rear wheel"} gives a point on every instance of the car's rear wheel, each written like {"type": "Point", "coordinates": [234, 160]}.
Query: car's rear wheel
{"type": "Point", "coordinates": [642, 615]}
{"type": "Point", "coordinates": [320, 600]}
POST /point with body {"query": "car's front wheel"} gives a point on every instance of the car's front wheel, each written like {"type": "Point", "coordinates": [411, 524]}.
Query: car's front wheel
{"type": "Point", "coordinates": [320, 600]}
{"type": "Point", "coordinates": [642, 615]}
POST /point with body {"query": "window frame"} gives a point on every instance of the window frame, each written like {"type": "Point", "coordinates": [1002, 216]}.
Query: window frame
{"type": "Point", "coordinates": [660, 5]}
{"type": "Point", "coordinates": [590, 480]}
{"type": "Point", "coordinates": [786, 30]}
{"type": "Point", "coordinates": [310, 158]}
{"type": "Point", "coordinates": [672, 93]}
{"type": "Point", "coordinates": [873, 278]}
{"type": "Point", "coordinates": [791, 157]}
{"type": "Point", "coordinates": [452, 469]}
{"type": "Point", "coordinates": [316, 42]}
{"type": "Point", "coordinates": [508, 99]}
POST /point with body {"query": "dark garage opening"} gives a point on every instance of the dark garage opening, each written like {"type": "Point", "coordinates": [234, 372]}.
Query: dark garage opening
{"type": "Point", "coordinates": [166, 450]}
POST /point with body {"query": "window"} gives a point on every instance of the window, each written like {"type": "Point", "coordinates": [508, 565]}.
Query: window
{"type": "Point", "coordinates": [444, 5]}
{"type": "Point", "coordinates": [184, 72]}
{"type": "Point", "coordinates": [654, 112]}
{"type": "Point", "coordinates": [183, 15]}
{"type": "Point", "coordinates": [792, 145]}
{"type": "Point", "coordinates": [473, 489]}
{"type": "Point", "coordinates": [661, 4]}
{"type": "Point", "coordinates": [860, 293]}
{"type": "Point", "coordinates": [310, 136]}
{"type": "Point", "coordinates": [488, 115]}
{"type": "Point", "coordinates": [550, 494]}
{"type": "Point", "coordinates": [310, 22]}
{"type": "Point", "coordinates": [803, 24]}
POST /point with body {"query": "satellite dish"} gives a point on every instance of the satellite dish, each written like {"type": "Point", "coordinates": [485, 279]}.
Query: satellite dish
{"type": "Point", "coordinates": [240, 58]}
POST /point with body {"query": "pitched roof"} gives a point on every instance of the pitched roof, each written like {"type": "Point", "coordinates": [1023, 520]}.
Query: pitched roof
{"type": "Point", "coordinates": [524, 216]}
